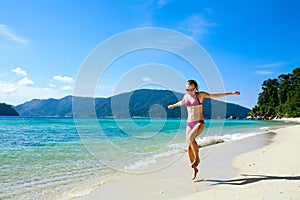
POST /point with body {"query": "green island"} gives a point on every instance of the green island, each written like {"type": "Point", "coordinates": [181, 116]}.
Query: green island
{"type": "Point", "coordinates": [280, 97]}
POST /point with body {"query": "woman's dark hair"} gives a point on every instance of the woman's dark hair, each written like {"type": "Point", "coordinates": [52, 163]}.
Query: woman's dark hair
{"type": "Point", "coordinates": [193, 82]}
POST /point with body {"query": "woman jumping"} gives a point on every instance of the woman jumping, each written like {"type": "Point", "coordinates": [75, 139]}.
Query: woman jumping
{"type": "Point", "coordinates": [195, 121]}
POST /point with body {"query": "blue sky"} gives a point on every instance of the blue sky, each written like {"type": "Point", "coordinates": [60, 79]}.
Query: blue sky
{"type": "Point", "coordinates": [44, 43]}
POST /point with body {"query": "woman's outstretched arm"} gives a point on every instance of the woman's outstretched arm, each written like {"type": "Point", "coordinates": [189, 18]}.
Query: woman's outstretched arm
{"type": "Point", "coordinates": [179, 103]}
{"type": "Point", "coordinates": [218, 95]}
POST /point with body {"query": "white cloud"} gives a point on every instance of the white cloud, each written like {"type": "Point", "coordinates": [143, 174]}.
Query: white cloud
{"type": "Point", "coordinates": [161, 3]}
{"type": "Point", "coordinates": [264, 72]}
{"type": "Point", "coordinates": [25, 93]}
{"type": "Point", "coordinates": [146, 79]}
{"type": "Point", "coordinates": [64, 79]}
{"type": "Point", "coordinates": [17, 93]}
{"type": "Point", "coordinates": [25, 82]}
{"type": "Point", "coordinates": [146, 11]}
{"type": "Point", "coordinates": [51, 85]}
{"type": "Point", "coordinates": [19, 71]}
{"type": "Point", "coordinates": [65, 88]}
{"type": "Point", "coordinates": [274, 64]}
{"type": "Point", "coordinates": [196, 26]}
{"type": "Point", "coordinates": [7, 88]}
{"type": "Point", "coordinates": [6, 32]}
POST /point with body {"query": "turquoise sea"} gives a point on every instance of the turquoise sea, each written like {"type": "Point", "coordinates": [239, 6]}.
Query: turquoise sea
{"type": "Point", "coordinates": [63, 158]}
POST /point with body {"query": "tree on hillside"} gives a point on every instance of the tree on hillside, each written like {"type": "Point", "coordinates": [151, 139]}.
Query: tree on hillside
{"type": "Point", "coordinates": [268, 98]}
{"type": "Point", "coordinates": [285, 84]}
{"type": "Point", "coordinates": [7, 110]}
{"type": "Point", "coordinates": [294, 94]}
{"type": "Point", "coordinates": [279, 96]}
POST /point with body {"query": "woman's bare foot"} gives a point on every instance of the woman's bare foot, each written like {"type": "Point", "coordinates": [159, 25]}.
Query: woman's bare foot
{"type": "Point", "coordinates": [195, 173]}
{"type": "Point", "coordinates": [195, 163]}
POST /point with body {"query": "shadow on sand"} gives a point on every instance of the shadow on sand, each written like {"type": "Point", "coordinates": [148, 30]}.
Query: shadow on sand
{"type": "Point", "coordinates": [251, 179]}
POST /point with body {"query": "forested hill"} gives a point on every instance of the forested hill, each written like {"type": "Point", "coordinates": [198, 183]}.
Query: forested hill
{"type": "Point", "coordinates": [279, 97]}
{"type": "Point", "coordinates": [7, 110]}
{"type": "Point", "coordinates": [139, 103]}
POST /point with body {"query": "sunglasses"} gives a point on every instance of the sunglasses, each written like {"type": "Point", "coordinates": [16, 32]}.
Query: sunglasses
{"type": "Point", "coordinates": [190, 90]}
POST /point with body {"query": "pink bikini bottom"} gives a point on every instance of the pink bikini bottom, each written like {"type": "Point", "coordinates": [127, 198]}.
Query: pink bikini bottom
{"type": "Point", "coordinates": [192, 124]}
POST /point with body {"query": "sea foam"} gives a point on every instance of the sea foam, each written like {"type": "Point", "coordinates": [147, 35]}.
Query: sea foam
{"type": "Point", "coordinates": [180, 148]}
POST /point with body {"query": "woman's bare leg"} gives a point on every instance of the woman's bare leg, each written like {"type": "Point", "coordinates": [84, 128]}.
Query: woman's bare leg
{"type": "Point", "coordinates": [196, 160]}
{"type": "Point", "coordinates": [191, 154]}
{"type": "Point", "coordinates": [196, 150]}
{"type": "Point", "coordinates": [193, 148]}
{"type": "Point", "coordinates": [190, 151]}
{"type": "Point", "coordinates": [191, 140]}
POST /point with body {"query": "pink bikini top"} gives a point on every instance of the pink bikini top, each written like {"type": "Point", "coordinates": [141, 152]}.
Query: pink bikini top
{"type": "Point", "coordinates": [196, 102]}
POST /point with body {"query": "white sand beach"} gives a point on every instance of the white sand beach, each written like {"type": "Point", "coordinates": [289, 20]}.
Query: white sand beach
{"type": "Point", "coordinates": [296, 119]}
{"type": "Point", "coordinates": [264, 166]}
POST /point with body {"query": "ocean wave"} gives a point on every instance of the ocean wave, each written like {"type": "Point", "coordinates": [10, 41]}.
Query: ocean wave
{"type": "Point", "coordinates": [180, 148]}
{"type": "Point", "coordinates": [215, 139]}
{"type": "Point", "coordinates": [264, 128]}
{"type": "Point", "coordinates": [173, 149]}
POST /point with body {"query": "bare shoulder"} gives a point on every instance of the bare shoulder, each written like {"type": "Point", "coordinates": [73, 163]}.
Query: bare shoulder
{"type": "Point", "coordinates": [203, 94]}
{"type": "Point", "coordinates": [184, 97]}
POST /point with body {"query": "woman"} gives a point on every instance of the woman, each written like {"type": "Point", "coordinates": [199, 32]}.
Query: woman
{"type": "Point", "coordinates": [195, 122]}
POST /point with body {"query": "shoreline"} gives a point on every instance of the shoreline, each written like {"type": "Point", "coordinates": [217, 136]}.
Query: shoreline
{"type": "Point", "coordinates": [175, 182]}
{"type": "Point", "coordinates": [270, 172]}
{"type": "Point", "coordinates": [296, 119]}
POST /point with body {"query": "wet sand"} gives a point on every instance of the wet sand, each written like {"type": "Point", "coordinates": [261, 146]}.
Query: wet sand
{"type": "Point", "coordinates": [175, 181]}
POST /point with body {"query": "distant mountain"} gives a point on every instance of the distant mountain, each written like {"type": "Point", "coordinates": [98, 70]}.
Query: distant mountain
{"type": "Point", "coordinates": [47, 108]}
{"type": "Point", "coordinates": [7, 110]}
{"type": "Point", "coordinates": [138, 103]}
